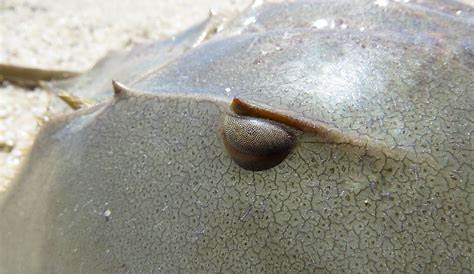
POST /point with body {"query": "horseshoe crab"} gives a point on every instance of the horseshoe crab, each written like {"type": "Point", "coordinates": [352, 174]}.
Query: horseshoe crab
{"type": "Point", "coordinates": [301, 137]}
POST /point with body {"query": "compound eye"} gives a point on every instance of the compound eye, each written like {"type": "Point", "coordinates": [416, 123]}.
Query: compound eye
{"type": "Point", "coordinates": [255, 143]}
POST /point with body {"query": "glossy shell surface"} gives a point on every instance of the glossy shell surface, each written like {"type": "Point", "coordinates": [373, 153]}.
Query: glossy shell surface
{"type": "Point", "coordinates": [143, 183]}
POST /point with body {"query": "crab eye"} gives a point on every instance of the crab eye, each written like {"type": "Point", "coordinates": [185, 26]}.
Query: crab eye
{"type": "Point", "coordinates": [254, 143]}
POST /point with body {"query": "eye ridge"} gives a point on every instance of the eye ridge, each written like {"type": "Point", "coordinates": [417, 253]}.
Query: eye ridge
{"type": "Point", "coordinates": [255, 143]}
{"type": "Point", "coordinates": [325, 131]}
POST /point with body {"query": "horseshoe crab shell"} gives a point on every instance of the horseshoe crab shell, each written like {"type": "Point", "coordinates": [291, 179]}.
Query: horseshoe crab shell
{"type": "Point", "coordinates": [141, 182]}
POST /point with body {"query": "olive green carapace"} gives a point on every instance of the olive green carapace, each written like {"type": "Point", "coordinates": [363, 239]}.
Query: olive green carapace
{"type": "Point", "coordinates": [143, 182]}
